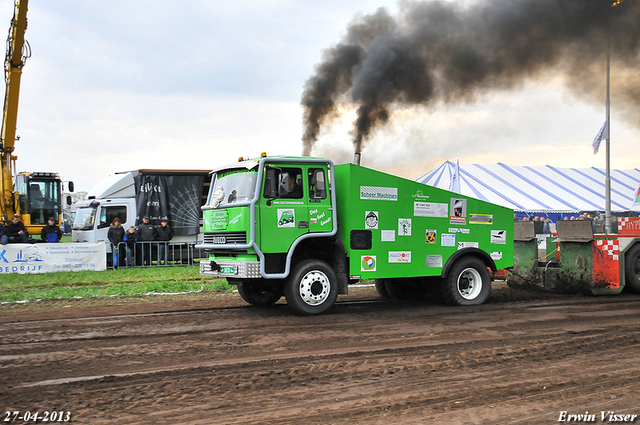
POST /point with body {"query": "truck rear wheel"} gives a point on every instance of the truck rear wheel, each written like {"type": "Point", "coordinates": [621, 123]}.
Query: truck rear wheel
{"type": "Point", "coordinates": [632, 268]}
{"type": "Point", "coordinates": [382, 288]}
{"type": "Point", "coordinates": [311, 287]}
{"type": "Point", "coordinates": [259, 294]}
{"type": "Point", "coordinates": [405, 289]}
{"type": "Point", "coordinates": [468, 283]}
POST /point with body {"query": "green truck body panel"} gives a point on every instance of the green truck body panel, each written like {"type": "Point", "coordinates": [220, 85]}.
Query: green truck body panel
{"type": "Point", "coordinates": [388, 226]}
{"type": "Point", "coordinates": [414, 228]}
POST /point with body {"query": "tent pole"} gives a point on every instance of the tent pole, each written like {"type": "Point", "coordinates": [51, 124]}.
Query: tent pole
{"type": "Point", "coordinates": [607, 214]}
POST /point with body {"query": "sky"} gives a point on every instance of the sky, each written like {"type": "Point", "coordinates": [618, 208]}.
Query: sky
{"type": "Point", "coordinates": [116, 86]}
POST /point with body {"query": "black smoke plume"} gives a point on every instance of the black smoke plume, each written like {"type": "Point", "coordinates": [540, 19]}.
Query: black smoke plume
{"type": "Point", "coordinates": [451, 52]}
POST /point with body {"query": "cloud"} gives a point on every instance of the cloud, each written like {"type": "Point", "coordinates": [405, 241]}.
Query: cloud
{"type": "Point", "coordinates": [539, 124]}
{"type": "Point", "coordinates": [115, 86]}
{"type": "Point", "coordinates": [105, 132]}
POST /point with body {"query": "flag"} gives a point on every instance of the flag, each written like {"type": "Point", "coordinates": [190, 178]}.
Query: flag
{"type": "Point", "coordinates": [454, 185]}
{"type": "Point", "coordinates": [599, 137]}
{"type": "Point", "coordinates": [636, 200]}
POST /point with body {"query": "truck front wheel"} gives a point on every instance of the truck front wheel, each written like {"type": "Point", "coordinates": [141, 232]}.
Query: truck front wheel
{"type": "Point", "coordinates": [311, 287]}
{"type": "Point", "coordinates": [468, 283]}
{"type": "Point", "coordinates": [259, 294]}
{"type": "Point", "coordinates": [632, 268]}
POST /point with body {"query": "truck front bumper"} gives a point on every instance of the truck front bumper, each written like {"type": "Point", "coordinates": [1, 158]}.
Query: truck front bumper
{"type": "Point", "coordinates": [233, 269]}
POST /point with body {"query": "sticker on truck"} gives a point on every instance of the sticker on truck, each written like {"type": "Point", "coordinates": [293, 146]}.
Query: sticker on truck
{"type": "Point", "coordinates": [368, 263]}
{"type": "Point", "coordinates": [404, 227]}
{"type": "Point", "coordinates": [458, 212]}
{"type": "Point", "coordinates": [286, 218]}
{"type": "Point", "coordinates": [481, 218]}
{"type": "Point", "coordinates": [429, 209]}
{"type": "Point", "coordinates": [448, 239]}
{"type": "Point", "coordinates": [499, 237]}
{"type": "Point", "coordinates": [432, 236]}
{"type": "Point", "coordinates": [434, 261]}
{"type": "Point", "coordinates": [388, 235]}
{"type": "Point", "coordinates": [371, 220]}
{"type": "Point", "coordinates": [379, 193]}
{"type": "Point", "coordinates": [399, 256]}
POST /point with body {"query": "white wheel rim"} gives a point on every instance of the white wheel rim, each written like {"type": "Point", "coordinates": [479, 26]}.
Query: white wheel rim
{"type": "Point", "coordinates": [315, 287]}
{"type": "Point", "coordinates": [469, 284]}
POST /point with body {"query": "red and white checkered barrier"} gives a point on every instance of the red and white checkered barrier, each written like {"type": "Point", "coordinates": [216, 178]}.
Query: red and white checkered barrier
{"type": "Point", "coordinates": [611, 247]}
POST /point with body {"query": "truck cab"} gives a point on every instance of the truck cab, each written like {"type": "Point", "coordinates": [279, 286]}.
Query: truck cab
{"type": "Point", "coordinates": [93, 218]}
{"type": "Point", "coordinates": [113, 197]}
{"type": "Point", "coordinates": [263, 218]}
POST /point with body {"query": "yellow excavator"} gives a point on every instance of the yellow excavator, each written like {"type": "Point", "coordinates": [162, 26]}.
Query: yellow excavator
{"type": "Point", "coordinates": [34, 196]}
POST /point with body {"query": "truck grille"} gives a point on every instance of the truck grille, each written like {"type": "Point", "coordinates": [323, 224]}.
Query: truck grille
{"type": "Point", "coordinates": [225, 238]}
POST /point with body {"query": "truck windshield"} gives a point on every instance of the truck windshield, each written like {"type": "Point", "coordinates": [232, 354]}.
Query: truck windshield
{"type": "Point", "coordinates": [233, 187]}
{"type": "Point", "coordinates": [85, 217]}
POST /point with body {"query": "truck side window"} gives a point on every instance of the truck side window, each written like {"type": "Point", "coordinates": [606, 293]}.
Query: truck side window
{"type": "Point", "coordinates": [295, 183]}
{"type": "Point", "coordinates": [317, 184]}
{"type": "Point", "coordinates": [109, 213]}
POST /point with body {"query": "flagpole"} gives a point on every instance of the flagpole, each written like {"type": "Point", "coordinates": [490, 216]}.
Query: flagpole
{"type": "Point", "coordinates": [607, 181]}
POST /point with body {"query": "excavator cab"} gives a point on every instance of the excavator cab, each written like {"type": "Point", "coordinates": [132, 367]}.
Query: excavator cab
{"type": "Point", "coordinates": [40, 197]}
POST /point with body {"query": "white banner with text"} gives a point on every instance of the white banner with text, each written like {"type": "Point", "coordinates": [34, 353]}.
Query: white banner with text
{"type": "Point", "coordinates": [52, 257]}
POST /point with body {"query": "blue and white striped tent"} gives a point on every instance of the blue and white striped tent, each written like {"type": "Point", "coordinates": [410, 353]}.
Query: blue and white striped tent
{"type": "Point", "coordinates": [543, 188]}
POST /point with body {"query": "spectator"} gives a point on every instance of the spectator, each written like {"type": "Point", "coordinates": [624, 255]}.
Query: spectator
{"type": "Point", "coordinates": [598, 223]}
{"type": "Point", "coordinates": [552, 226]}
{"type": "Point", "coordinates": [545, 225]}
{"type": "Point", "coordinates": [614, 224]}
{"type": "Point", "coordinates": [130, 238]}
{"type": "Point", "coordinates": [538, 226]}
{"type": "Point", "coordinates": [115, 236]}
{"type": "Point", "coordinates": [16, 231]}
{"type": "Point", "coordinates": [51, 232]}
{"type": "Point", "coordinates": [3, 234]}
{"type": "Point", "coordinates": [163, 234]}
{"type": "Point", "coordinates": [146, 235]}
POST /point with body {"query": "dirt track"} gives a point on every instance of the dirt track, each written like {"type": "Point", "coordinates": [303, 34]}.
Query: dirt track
{"type": "Point", "coordinates": [522, 358]}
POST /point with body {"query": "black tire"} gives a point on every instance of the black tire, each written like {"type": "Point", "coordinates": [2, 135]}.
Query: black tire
{"type": "Point", "coordinates": [405, 289]}
{"type": "Point", "coordinates": [433, 291]}
{"type": "Point", "coordinates": [468, 283]}
{"type": "Point", "coordinates": [381, 288]}
{"type": "Point", "coordinates": [632, 268]}
{"type": "Point", "coordinates": [260, 294]}
{"type": "Point", "coordinates": [311, 287]}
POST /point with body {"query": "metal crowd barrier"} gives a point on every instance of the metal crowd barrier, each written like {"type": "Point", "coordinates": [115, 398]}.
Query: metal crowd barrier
{"type": "Point", "coordinates": [154, 254]}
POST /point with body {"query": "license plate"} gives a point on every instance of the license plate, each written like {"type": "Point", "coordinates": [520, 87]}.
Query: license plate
{"type": "Point", "coordinates": [226, 270]}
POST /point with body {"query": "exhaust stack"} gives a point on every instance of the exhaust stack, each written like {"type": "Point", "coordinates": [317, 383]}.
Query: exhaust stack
{"type": "Point", "coordinates": [356, 158]}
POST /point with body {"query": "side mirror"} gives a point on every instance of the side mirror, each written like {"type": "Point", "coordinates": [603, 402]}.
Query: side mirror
{"type": "Point", "coordinates": [69, 201]}
{"type": "Point", "coordinates": [71, 187]}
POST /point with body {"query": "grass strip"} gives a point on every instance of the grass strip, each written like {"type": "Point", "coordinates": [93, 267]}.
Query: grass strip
{"type": "Point", "coordinates": [123, 282]}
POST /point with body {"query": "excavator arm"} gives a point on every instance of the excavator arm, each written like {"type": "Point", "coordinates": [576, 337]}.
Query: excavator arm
{"type": "Point", "coordinates": [14, 61]}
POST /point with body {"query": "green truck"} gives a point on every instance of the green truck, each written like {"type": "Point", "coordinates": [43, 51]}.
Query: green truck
{"type": "Point", "coordinates": [306, 229]}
